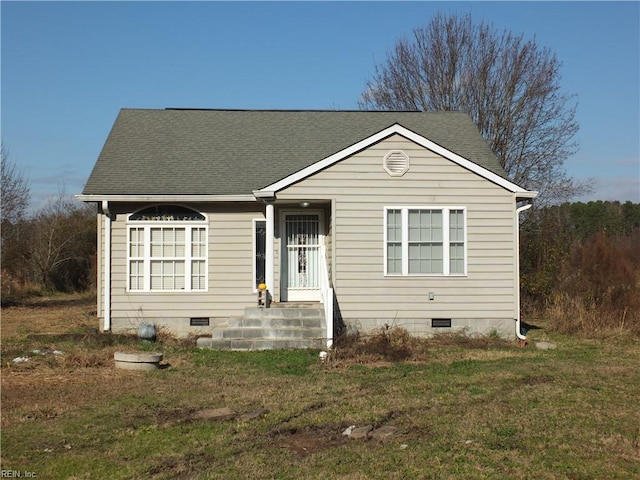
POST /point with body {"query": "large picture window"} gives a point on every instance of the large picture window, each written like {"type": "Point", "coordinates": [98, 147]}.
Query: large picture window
{"type": "Point", "coordinates": [167, 250]}
{"type": "Point", "coordinates": [425, 241]}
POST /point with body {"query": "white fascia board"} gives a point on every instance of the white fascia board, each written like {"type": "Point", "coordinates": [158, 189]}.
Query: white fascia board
{"type": "Point", "coordinates": [264, 194]}
{"type": "Point", "coordinates": [166, 198]}
{"type": "Point", "coordinates": [408, 134]}
{"type": "Point", "coordinates": [526, 195]}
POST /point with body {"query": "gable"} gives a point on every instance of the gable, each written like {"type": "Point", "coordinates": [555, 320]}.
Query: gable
{"type": "Point", "coordinates": [381, 136]}
{"type": "Point", "coordinates": [234, 153]}
{"type": "Point", "coordinates": [362, 178]}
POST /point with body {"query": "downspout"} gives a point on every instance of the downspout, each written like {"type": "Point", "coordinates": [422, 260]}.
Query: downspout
{"type": "Point", "coordinates": [107, 266]}
{"type": "Point", "coordinates": [519, 334]}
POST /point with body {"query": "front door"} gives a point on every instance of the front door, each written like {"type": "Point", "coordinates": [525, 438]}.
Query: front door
{"type": "Point", "coordinates": [301, 257]}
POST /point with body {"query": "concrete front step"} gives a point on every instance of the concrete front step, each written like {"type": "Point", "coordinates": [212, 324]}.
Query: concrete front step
{"type": "Point", "coordinates": [289, 312]}
{"type": "Point", "coordinates": [269, 333]}
{"type": "Point", "coordinates": [297, 322]}
{"type": "Point", "coordinates": [293, 326]}
{"type": "Point", "coordinates": [260, 344]}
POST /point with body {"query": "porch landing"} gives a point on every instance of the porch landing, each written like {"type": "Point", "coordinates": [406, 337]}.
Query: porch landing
{"type": "Point", "coordinates": [283, 326]}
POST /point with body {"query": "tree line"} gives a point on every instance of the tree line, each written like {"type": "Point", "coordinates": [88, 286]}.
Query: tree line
{"type": "Point", "coordinates": [51, 249]}
{"type": "Point", "coordinates": [580, 266]}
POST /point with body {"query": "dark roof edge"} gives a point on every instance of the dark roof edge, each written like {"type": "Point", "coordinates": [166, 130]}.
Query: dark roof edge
{"type": "Point", "coordinates": [284, 110]}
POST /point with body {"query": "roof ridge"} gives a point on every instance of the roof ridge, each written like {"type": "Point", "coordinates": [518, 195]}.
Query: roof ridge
{"type": "Point", "coordinates": [291, 110]}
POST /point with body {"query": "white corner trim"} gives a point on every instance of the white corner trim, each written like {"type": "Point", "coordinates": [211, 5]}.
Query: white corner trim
{"type": "Point", "coordinates": [381, 135]}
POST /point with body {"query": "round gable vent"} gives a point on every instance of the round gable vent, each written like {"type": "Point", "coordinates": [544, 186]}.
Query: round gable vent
{"type": "Point", "coordinates": [396, 163]}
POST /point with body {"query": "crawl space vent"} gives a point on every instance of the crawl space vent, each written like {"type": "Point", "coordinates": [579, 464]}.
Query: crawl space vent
{"type": "Point", "coordinates": [440, 323]}
{"type": "Point", "coordinates": [199, 322]}
{"type": "Point", "coordinates": [396, 163]}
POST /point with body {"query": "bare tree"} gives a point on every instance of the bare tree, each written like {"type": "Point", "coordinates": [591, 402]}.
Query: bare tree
{"type": "Point", "coordinates": [14, 201]}
{"type": "Point", "coordinates": [62, 244]}
{"type": "Point", "coordinates": [15, 191]}
{"type": "Point", "coordinates": [508, 85]}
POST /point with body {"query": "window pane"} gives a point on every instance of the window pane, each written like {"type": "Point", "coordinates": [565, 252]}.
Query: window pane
{"type": "Point", "coordinates": [198, 276]}
{"type": "Point", "coordinates": [198, 239]}
{"type": "Point", "coordinates": [436, 258]}
{"type": "Point", "coordinates": [168, 242]}
{"type": "Point", "coordinates": [260, 251]}
{"type": "Point", "coordinates": [167, 275]}
{"type": "Point", "coordinates": [180, 240]}
{"type": "Point", "coordinates": [394, 241]}
{"type": "Point", "coordinates": [415, 225]}
{"type": "Point", "coordinates": [136, 242]}
{"type": "Point", "coordinates": [136, 275]}
{"type": "Point", "coordinates": [456, 258]}
{"type": "Point", "coordinates": [456, 226]}
{"type": "Point", "coordinates": [169, 253]}
{"type": "Point", "coordinates": [436, 225]}
{"type": "Point", "coordinates": [178, 275]}
{"type": "Point", "coordinates": [394, 226]}
{"type": "Point", "coordinates": [425, 258]}
{"type": "Point", "coordinates": [456, 237]}
{"type": "Point", "coordinates": [156, 242]}
{"type": "Point", "coordinates": [394, 258]}
{"type": "Point", "coordinates": [425, 225]}
{"type": "Point", "coordinates": [425, 241]}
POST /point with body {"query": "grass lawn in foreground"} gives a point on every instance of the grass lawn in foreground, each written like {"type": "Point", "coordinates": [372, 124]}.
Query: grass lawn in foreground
{"type": "Point", "coordinates": [468, 410]}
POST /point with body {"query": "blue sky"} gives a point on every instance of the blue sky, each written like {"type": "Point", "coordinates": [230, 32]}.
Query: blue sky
{"type": "Point", "coordinates": [68, 67]}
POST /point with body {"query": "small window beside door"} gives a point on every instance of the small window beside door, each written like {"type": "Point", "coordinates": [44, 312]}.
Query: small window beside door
{"type": "Point", "coordinates": [259, 252]}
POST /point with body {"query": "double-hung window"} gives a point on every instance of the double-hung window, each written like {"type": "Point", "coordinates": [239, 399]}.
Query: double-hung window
{"type": "Point", "coordinates": [167, 250]}
{"type": "Point", "coordinates": [425, 240]}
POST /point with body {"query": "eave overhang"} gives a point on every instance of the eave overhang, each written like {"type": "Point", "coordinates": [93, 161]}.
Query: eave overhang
{"type": "Point", "coordinates": [166, 198]}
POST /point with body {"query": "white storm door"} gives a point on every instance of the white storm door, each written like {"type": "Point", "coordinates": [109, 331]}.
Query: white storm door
{"type": "Point", "coordinates": [301, 257]}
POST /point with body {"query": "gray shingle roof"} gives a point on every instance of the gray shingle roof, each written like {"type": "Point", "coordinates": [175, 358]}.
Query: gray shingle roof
{"type": "Point", "coordinates": [230, 152]}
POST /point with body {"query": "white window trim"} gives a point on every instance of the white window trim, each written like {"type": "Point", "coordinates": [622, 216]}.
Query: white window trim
{"type": "Point", "coordinates": [147, 225]}
{"type": "Point", "coordinates": [404, 212]}
{"type": "Point", "coordinates": [253, 251]}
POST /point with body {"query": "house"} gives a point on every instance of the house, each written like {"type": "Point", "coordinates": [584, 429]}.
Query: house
{"type": "Point", "coordinates": [356, 219]}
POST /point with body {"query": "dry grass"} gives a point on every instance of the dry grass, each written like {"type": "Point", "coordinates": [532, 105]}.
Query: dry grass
{"type": "Point", "coordinates": [570, 315]}
{"type": "Point", "coordinates": [393, 344]}
{"type": "Point", "coordinates": [465, 407]}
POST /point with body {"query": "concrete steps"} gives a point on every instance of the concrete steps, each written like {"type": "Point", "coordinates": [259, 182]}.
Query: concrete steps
{"type": "Point", "coordinates": [284, 326]}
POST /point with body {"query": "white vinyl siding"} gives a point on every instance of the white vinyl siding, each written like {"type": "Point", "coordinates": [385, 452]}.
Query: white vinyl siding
{"type": "Point", "coordinates": [479, 290]}
{"type": "Point", "coordinates": [167, 258]}
{"type": "Point", "coordinates": [225, 269]}
{"type": "Point", "coordinates": [424, 241]}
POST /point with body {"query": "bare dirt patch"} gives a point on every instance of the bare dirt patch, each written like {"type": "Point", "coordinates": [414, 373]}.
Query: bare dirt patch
{"type": "Point", "coordinates": [312, 440]}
